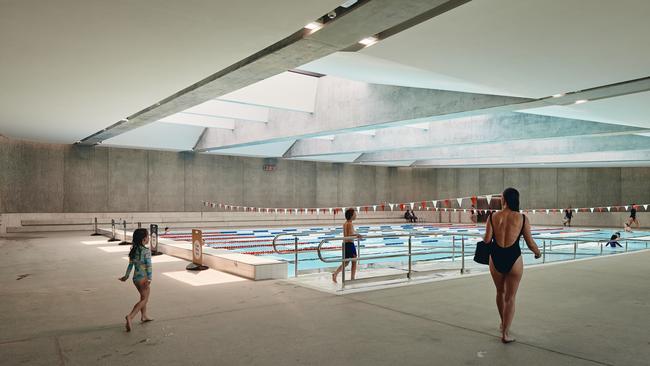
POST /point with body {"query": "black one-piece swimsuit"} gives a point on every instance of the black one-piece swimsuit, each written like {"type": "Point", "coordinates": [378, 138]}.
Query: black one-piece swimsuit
{"type": "Point", "coordinates": [504, 258]}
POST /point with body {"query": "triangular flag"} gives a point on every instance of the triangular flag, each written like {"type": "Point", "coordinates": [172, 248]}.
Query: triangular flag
{"type": "Point", "coordinates": [576, 210]}
{"type": "Point", "coordinates": [460, 201]}
{"type": "Point", "coordinates": [464, 210]}
{"type": "Point", "coordinates": [374, 208]}
{"type": "Point", "coordinates": [434, 203]}
{"type": "Point", "coordinates": [547, 211]}
{"type": "Point", "coordinates": [358, 209]}
{"type": "Point", "coordinates": [330, 210]}
{"type": "Point", "coordinates": [489, 198]}
{"type": "Point", "coordinates": [645, 207]}
{"type": "Point", "coordinates": [412, 205]}
{"type": "Point", "coordinates": [592, 209]}
{"type": "Point", "coordinates": [533, 212]}
{"type": "Point", "coordinates": [317, 211]}
{"type": "Point", "coordinates": [609, 208]}
{"type": "Point", "coordinates": [626, 207]}
{"type": "Point", "coordinates": [391, 206]}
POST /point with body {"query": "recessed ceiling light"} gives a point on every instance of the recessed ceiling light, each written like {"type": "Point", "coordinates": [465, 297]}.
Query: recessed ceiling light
{"type": "Point", "coordinates": [581, 101]}
{"type": "Point", "coordinates": [314, 26]}
{"type": "Point", "coordinates": [369, 41]}
{"type": "Point", "coordinates": [558, 95]}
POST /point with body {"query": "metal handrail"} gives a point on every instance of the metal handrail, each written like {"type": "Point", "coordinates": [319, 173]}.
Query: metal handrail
{"type": "Point", "coordinates": [410, 253]}
{"type": "Point", "coordinates": [410, 235]}
{"type": "Point", "coordinates": [295, 251]}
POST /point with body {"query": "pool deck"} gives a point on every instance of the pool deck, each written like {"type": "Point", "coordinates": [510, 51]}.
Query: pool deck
{"type": "Point", "coordinates": [68, 310]}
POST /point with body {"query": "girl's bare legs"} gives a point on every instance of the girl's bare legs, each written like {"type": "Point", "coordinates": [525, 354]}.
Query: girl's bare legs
{"type": "Point", "coordinates": [499, 283]}
{"type": "Point", "coordinates": [512, 280]}
{"type": "Point", "coordinates": [143, 312]}
{"type": "Point", "coordinates": [143, 289]}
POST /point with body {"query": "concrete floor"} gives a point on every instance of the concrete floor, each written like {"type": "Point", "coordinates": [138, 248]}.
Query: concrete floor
{"type": "Point", "coordinates": [69, 311]}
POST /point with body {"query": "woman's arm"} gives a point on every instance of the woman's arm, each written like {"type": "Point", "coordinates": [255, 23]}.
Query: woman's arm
{"type": "Point", "coordinates": [530, 242]}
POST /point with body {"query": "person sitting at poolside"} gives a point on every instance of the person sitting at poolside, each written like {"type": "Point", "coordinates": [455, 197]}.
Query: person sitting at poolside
{"type": "Point", "coordinates": [568, 215]}
{"type": "Point", "coordinates": [628, 228]}
{"type": "Point", "coordinates": [407, 216]}
{"type": "Point", "coordinates": [472, 214]}
{"type": "Point", "coordinates": [413, 217]}
{"type": "Point", "coordinates": [613, 241]}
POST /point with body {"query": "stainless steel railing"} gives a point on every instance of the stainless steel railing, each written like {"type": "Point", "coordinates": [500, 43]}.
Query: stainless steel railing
{"type": "Point", "coordinates": [410, 254]}
{"type": "Point", "coordinates": [295, 251]}
{"type": "Point", "coordinates": [546, 247]}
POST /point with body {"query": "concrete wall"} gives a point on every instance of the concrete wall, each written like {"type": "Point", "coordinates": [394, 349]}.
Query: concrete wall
{"type": "Point", "coordinates": [62, 178]}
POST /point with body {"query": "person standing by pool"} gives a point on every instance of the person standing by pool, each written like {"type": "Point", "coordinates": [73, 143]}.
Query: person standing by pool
{"type": "Point", "coordinates": [506, 262]}
{"type": "Point", "coordinates": [568, 215]}
{"type": "Point", "coordinates": [632, 219]}
{"type": "Point", "coordinates": [140, 261]}
{"type": "Point", "coordinates": [350, 249]}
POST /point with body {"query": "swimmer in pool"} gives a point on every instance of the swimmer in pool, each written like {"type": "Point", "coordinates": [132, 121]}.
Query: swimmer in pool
{"type": "Point", "coordinates": [503, 231]}
{"type": "Point", "coordinates": [613, 241]}
{"type": "Point", "coordinates": [350, 249]}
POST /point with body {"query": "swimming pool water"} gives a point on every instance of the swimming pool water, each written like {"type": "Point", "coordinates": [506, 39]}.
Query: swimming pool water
{"type": "Point", "coordinates": [438, 238]}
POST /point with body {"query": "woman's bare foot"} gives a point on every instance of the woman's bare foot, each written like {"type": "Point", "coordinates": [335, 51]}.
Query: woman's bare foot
{"type": "Point", "coordinates": [128, 323]}
{"type": "Point", "coordinates": [505, 338]}
{"type": "Point", "coordinates": [334, 277]}
{"type": "Point", "coordinates": [146, 320]}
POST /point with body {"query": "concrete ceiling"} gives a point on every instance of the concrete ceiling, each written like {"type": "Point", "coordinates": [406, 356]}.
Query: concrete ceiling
{"type": "Point", "coordinates": [478, 76]}
{"type": "Point", "coordinates": [72, 67]}
{"type": "Point", "coordinates": [526, 48]}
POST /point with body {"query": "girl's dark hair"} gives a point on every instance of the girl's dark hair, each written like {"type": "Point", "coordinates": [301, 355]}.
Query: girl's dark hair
{"type": "Point", "coordinates": [511, 196]}
{"type": "Point", "coordinates": [138, 238]}
{"type": "Point", "coordinates": [348, 213]}
{"type": "Point", "coordinates": [613, 237]}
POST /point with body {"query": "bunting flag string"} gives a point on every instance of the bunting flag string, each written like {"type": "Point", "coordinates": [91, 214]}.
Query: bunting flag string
{"type": "Point", "coordinates": [446, 206]}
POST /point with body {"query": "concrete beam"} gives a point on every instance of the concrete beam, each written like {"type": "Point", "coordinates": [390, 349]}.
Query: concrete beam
{"type": "Point", "coordinates": [469, 130]}
{"type": "Point", "coordinates": [560, 146]}
{"type": "Point", "coordinates": [363, 19]}
{"type": "Point", "coordinates": [638, 158]}
{"type": "Point", "coordinates": [347, 106]}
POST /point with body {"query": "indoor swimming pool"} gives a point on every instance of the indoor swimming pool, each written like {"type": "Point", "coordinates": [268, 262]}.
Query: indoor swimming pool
{"type": "Point", "coordinates": [430, 243]}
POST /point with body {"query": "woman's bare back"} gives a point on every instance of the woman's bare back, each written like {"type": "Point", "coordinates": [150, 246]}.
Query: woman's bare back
{"type": "Point", "coordinates": [507, 226]}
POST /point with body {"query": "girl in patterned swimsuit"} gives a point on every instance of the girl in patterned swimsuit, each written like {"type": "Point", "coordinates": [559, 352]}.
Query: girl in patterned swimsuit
{"type": "Point", "coordinates": [140, 262]}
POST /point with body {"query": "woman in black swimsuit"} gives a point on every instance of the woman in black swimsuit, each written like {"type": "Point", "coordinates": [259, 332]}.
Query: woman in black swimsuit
{"type": "Point", "coordinates": [504, 230]}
